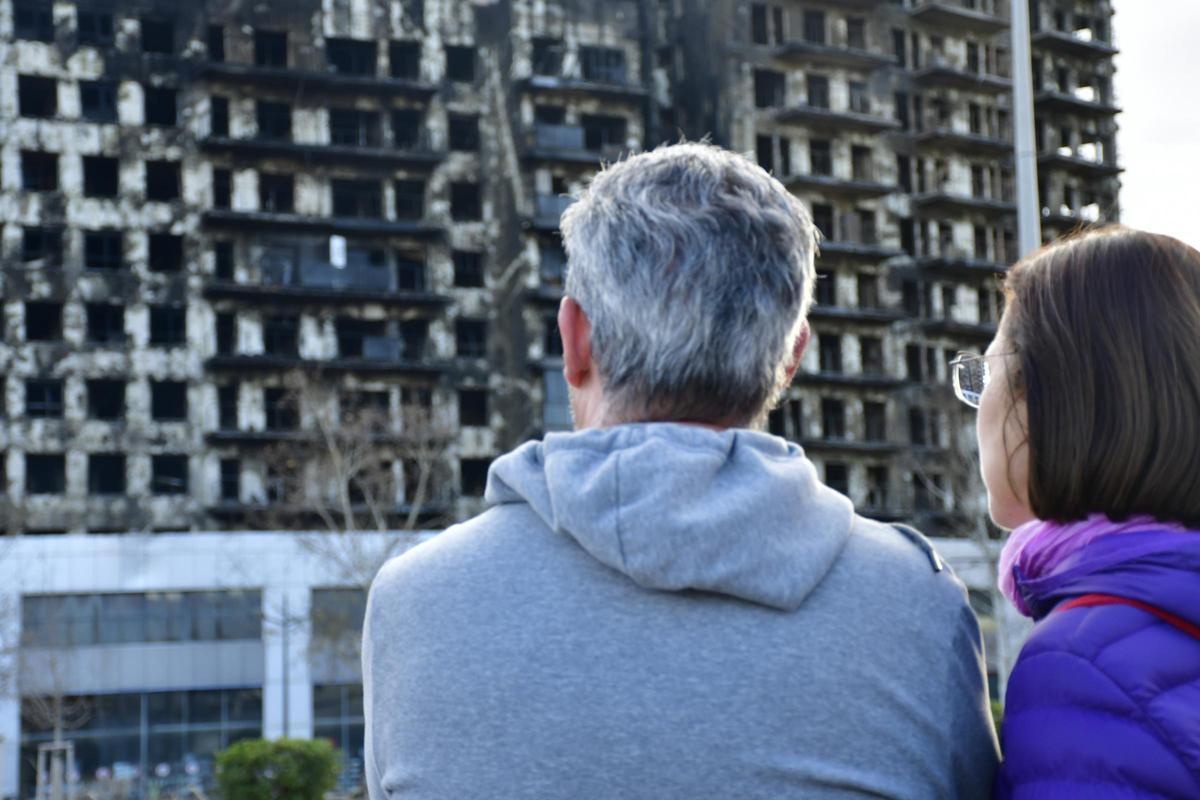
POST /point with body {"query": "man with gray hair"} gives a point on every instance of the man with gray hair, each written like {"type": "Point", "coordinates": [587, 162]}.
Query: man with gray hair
{"type": "Point", "coordinates": [667, 603]}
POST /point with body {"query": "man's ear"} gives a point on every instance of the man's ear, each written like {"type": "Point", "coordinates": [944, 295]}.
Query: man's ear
{"type": "Point", "coordinates": [576, 332]}
{"type": "Point", "coordinates": [798, 346]}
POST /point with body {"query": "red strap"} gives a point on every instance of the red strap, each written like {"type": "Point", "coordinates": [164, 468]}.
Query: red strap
{"type": "Point", "coordinates": [1089, 600]}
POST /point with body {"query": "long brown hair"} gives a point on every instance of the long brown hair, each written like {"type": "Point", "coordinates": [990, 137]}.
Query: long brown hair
{"type": "Point", "coordinates": [1106, 329]}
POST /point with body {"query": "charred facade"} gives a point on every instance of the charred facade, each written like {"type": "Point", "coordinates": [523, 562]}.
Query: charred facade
{"type": "Point", "coordinates": [203, 199]}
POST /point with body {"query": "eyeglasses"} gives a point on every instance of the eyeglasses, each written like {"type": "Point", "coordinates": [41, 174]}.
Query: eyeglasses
{"type": "Point", "coordinates": [970, 375]}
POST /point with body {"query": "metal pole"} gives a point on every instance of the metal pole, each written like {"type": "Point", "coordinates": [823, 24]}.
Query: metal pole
{"type": "Point", "coordinates": [284, 633]}
{"type": "Point", "coordinates": [1029, 220]}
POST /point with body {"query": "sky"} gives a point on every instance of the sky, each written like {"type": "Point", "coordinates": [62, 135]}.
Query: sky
{"type": "Point", "coordinates": [1158, 88]}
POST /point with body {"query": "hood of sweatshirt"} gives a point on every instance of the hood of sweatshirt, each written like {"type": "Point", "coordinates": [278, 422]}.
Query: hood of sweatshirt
{"type": "Point", "coordinates": [680, 507]}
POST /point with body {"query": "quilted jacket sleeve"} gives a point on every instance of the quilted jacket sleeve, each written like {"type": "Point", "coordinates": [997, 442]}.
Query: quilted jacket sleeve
{"type": "Point", "coordinates": [1071, 729]}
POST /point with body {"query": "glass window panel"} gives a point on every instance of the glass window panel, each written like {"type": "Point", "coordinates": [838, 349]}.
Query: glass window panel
{"type": "Point", "coordinates": [354, 700]}
{"type": "Point", "coordinates": [327, 702]}
{"type": "Point", "coordinates": [203, 744]}
{"type": "Point", "coordinates": [204, 707]}
{"type": "Point", "coordinates": [240, 616]}
{"type": "Point", "coordinates": [164, 748]}
{"type": "Point", "coordinates": [244, 705]}
{"type": "Point", "coordinates": [118, 753]}
{"type": "Point", "coordinates": [164, 708]}
{"type": "Point", "coordinates": [79, 619]}
{"type": "Point", "coordinates": [167, 617]}
{"type": "Point", "coordinates": [204, 614]}
{"type": "Point", "coordinates": [353, 746]}
{"type": "Point", "coordinates": [122, 618]}
{"type": "Point", "coordinates": [331, 733]}
{"type": "Point", "coordinates": [113, 712]}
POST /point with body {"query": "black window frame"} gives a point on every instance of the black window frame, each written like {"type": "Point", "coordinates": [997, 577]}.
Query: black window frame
{"type": "Point", "coordinates": [98, 100]}
{"type": "Point", "coordinates": [160, 106]}
{"type": "Point", "coordinates": [35, 463]}
{"type": "Point", "coordinates": [164, 180]}
{"type": "Point", "coordinates": [168, 325]}
{"type": "Point", "coordinates": [104, 249]}
{"type": "Point", "coordinates": [271, 49]}
{"type": "Point", "coordinates": [169, 401]}
{"type": "Point", "coordinates": [44, 398]}
{"type": "Point", "coordinates": [101, 176]}
{"type": "Point", "coordinates": [106, 473]}
{"type": "Point", "coordinates": [105, 323]}
{"type": "Point", "coordinates": [347, 56]}
{"type": "Point", "coordinates": [100, 404]}
{"type": "Point", "coordinates": [164, 252]}
{"type": "Point", "coordinates": [39, 171]}
{"type": "Point", "coordinates": [37, 96]}
{"type": "Point", "coordinates": [169, 474]}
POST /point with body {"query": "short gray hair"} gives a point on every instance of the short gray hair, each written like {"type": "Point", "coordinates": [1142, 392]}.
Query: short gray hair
{"type": "Point", "coordinates": [695, 269]}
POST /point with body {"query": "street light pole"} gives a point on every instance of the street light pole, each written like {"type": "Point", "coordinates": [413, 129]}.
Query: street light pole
{"type": "Point", "coordinates": [1029, 221]}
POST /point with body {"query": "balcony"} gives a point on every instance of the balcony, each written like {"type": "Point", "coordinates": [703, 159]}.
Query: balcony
{"type": "Point", "coordinates": [974, 331]}
{"type": "Point", "coordinates": [257, 221]}
{"type": "Point", "coordinates": [942, 200]}
{"type": "Point", "coordinates": [861, 380]}
{"type": "Point", "coordinates": [297, 81]}
{"type": "Point", "coordinates": [955, 262]}
{"type": "Point", "coordinates": [942, 135]}
{"type": "Point", "coordinates": [306, 153]}
{"type": "Point", "coordinates": [1079, 164]}
{"type": "Point", "coordinates": [567, 143]}
{"type": "Point", "coordinates": [829, 445]}
{"type": "Point", "coordinates": [803, 52]}
{"type": "Point", "coordinates": [869, 316]}
{"type": "Point", "coordinates": [622, 90]}
{"type": "Point", "coordinates": [957, 16]}
{"type": "Point", "coordinates": [1077, 102]}
{"type": "Point", "coordinates": [1075, 44]}
{"type": "Point", "coordinates": [548, 210]}
{"type": "Point", "coordinates": [828, 119]}
{"type": "Point", "coordinates": [299, 294]}
{"type": "Point", "coordinates": [943, 71]}
{"type": "Point", "coordinates": [383, 358]}
{"type": "Point", "coordinates": [861, 185]}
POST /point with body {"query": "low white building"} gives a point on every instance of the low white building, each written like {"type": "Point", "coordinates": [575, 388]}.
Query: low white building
{"type": "Point", "coordinates": [183, 643]}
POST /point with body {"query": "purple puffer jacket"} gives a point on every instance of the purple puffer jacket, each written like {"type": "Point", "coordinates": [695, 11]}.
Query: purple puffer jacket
{"type": "Point", "coordinates": [1104, 702]}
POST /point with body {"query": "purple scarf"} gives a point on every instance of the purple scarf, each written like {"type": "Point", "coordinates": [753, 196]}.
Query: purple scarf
{"type": "Point", "coordinates": [1038, 547]}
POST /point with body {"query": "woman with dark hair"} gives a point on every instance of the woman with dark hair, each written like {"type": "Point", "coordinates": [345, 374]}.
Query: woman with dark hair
{"type": "Point", "coordinates": [1089, 441]}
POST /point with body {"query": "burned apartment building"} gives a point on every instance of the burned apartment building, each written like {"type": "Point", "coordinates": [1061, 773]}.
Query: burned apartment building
{"type": "Point", "coordinates": [204, 200]}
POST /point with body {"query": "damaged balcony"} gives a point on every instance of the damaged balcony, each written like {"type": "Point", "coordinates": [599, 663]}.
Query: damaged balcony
{"type": "Point", "coordinates": [824, 118]}
{"type": "Point", "coordinates": [961, 16]}
{"type": "Point", "coordinates": [306, 153]}
{"type": "Point", "coordinates": [945, 201]}
{"type": "Point", "coordinates": [1078, 102]}
{"type": "Point", "coordinates": [957, 262]}
{"type": "Point", "coordinates": [983, 142]}
{"type": "Point", "coordinates": [298, 82]}
{"type": "Point", "coordinates": [255, 221]}
{"type": "Point", "coordinates": [942, 71]}
{"type": "Point", "coordinates": [852, 55]}
{"type": "Point", "coordinates": [1074, 44]}
{"type": "Point", "coordinates": [1079, 164]}
{"type": "Point", "coordinates": [601, 72]}
{"type": "Point", "coordinates": [548, 211]}
{"type": "Point", "coordinates": [308, 277]}
{"type": "Point", "coordinates": [603, 140]}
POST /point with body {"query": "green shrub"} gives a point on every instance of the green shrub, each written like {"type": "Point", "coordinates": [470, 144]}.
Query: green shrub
{"type": "Point", "coordinates": [284, 769]}
{"type": "Point", "coordinates": [998, 715]}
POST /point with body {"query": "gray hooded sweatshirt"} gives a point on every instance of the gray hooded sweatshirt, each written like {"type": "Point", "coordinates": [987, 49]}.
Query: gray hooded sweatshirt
{"type": "Point", "coordinates": [665, 611]}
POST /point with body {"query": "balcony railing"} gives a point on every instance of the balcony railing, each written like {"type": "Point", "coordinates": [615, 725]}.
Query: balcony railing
{"type": "Point", "coordinates": [383, 348]}
{"type": "Point", "coordinates": [558, 137]}
{"type": "Point", "coordinates": [550, 208]}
